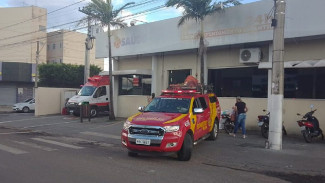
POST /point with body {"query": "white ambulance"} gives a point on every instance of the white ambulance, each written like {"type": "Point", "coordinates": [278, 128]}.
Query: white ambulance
{"type": "Point", "coordinates": [96, 92]}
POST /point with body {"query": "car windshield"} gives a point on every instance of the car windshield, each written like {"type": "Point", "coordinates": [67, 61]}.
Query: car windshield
{"type": "Point", "coordinates": [87, 90]}
{"type": "Point", "coordinates": [28, 100]}
{"type": "Point", "coordinates": [169, 105]}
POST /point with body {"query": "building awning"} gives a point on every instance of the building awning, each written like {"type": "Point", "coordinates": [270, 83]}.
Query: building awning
{"type": "Point", "coordinates": [295, 64]}
{"type": "Point", "coordinates": [128, 72]}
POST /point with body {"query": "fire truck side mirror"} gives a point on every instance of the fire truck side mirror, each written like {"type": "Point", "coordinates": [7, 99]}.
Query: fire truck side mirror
{"type": "Point", "coordinates": [198, 110]}
{"type": "Point", "coordinates": [141, 108]}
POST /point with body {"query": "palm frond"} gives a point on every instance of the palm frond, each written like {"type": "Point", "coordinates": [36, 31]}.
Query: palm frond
{"type": "Point", "coordinates": [102, 12]}
{"type": "Point", "coordinates": [199, 9]}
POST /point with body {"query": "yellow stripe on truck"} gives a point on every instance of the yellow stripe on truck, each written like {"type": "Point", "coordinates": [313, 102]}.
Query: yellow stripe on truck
{"type": "Point", "coordinates": [131, 118]}
{"type": "Point", "coordinates": [176, 119]}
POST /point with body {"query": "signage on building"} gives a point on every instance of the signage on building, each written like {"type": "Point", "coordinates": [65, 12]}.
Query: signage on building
{"type": "Point", "coordinates": [241, 24]}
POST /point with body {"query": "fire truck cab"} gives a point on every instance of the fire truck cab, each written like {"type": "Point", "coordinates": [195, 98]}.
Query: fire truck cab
{"type": "Point", "coordinates": [173, 122]}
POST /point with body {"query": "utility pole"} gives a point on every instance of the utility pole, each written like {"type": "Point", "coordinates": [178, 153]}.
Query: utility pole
{"type": "Point", "coordinates": [277, 88]}
{"type": "Point", "coordinates": [36, 70]}
{"type": "Point", "coordinates": [88, 47]}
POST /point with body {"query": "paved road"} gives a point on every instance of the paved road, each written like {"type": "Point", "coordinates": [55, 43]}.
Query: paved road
{"type": "Point", "coordinates": [61, 149]}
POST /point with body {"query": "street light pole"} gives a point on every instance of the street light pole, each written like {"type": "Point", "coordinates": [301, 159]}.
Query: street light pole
{"type": "Point", "coordinates": [88, 47]}
{"type": "Point", "coordinates": [277, 88]}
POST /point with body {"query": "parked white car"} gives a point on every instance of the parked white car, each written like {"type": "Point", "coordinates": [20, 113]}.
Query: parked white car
{"type": "Point", "coordinates": [26, 106]}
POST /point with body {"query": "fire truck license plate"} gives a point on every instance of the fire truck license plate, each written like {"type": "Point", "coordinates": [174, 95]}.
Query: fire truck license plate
{"type": "Point", "coordinates": [142, 141]}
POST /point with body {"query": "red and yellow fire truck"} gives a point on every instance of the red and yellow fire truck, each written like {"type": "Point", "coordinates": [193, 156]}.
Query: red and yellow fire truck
{"type": "Point", "coordinates": [173, 122]}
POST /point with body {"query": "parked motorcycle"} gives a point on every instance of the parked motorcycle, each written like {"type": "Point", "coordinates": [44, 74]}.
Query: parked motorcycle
{"type": "Point", "coordinates": [310, 126]}
{"type": "Point", "coordinates": [229, 124]}
{"type": "Point", "coordinates": [263, 123]}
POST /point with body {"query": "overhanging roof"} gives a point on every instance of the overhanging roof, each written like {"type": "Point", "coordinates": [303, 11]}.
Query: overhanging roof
{"type": "Point", "coordinates": [295, 64]}
{"type": "Point", "coordinates": [128, 72]}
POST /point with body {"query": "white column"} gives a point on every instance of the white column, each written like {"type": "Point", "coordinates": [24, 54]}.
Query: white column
{"type": "Point", "coordinates": [205, 69]}
{"type": "Point", "coordinates": [115, 87]}
{"type": "Point", "coordinates": [269, 79]}
{"type": "Point", "coordinates": [154, 74]}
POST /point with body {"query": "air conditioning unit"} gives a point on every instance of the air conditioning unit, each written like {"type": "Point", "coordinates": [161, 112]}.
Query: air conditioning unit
{"type": "Point", "coordinates": [250, 55]}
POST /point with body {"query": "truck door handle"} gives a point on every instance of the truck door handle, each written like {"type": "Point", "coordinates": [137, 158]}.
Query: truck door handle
{"type": "Point", "coordinates": [106, 98]}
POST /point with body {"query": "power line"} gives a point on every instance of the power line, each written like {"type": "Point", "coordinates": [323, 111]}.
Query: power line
{"type": "Point", "coordinates": [36, 39]}
{"type": "Point", "coordinates": [31, 40]}
{"type": "Point", "coordinates": [40, 30]}
{"type": "Point", "coordinates": [42, 15]}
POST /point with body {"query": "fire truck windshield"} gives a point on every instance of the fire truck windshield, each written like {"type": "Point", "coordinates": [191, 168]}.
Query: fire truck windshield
{"type": "Point", "coordinates": [87, 90]}
{"type": "Point", "coordinates": [169, 105]}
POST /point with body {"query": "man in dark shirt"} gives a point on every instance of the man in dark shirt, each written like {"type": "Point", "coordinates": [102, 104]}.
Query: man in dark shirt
{"type": "Point", "coordinates": [241, 109]}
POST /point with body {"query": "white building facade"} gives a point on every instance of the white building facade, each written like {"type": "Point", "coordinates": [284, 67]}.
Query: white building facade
{"type": "Point", "coordinates": [149, 57]}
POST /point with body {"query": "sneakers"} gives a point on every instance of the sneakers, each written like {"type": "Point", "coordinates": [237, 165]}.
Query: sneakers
{"type": "Point", "coordinates": [232, 134]}
{"type": "Point", "coordinates": [244, 136]}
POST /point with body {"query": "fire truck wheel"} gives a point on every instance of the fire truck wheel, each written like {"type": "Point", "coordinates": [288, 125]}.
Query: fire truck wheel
{"type": "Point", "coordinates": [186, 151]}
{"type": "Point", "coordinates": [93, 112]}
{"type": "Point", "coordinates": [132, 154]}
{"type": "Point", "coordinates": [215, 131]}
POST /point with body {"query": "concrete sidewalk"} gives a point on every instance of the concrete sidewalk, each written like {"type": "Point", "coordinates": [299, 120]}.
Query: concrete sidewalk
{"type": "Point", "coordinates": [298, 161]}
{"type": "Point", "coordinates": [5, 109]}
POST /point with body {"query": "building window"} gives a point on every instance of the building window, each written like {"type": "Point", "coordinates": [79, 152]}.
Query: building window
{"type": "Point", "coordinates": [53, 46]}
{"type": "Point", "coordinates": [178, 76]}
{"type": "Point", "coordinates": [246, 82]}
{"type": "Point", "coordinates": [305, 83]}
{"type": "Point", "coordinates": [134, 85]}
{"type": "Point", "coordinates": [48, 47]}
{"type": "Point", "coordinates": [42, 28]}
{"type": "Point", "coordinates": [60, 60]}
{"type": "Point", "coordinates": [61, 45]}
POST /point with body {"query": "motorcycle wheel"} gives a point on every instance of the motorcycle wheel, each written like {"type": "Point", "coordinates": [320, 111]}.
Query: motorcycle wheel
{"type": "Point", "coordinates": [229, 127]}
{"type": "Point", "coordinates": [265, 130]}
{"type": "Point", "coordinates": [321, 133]}
{"type": "Point", "coordinates": [307, 136]}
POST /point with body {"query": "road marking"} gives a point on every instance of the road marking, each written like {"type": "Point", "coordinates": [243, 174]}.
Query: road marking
{"type": "Point", "coordinates": [102, 135]}
{"type": "Point", "coordinates": [35, 146]}
{"type": "Point", "coordinates": [50, 124]}
{"type": "Point", "coordinates": [11, 149]}
{"type": "Point", "coordinates": [19, 120]}
{"type": "Point", "coordinates": [57, 143]}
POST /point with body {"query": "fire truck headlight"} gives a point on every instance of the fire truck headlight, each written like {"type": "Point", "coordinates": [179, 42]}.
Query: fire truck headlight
{"type": "Point", "coordinates": [126, 125]}
{"type": "Point", "coordinates": [171, 128]}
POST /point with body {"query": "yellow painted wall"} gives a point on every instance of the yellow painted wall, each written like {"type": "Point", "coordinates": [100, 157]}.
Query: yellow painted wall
{"type": "Point", "coordinates": [72, 50]}
{"type": "Point", "coordinates": [140, 62]}
{"type": "Point", "coordinates": [291, 108]}
{"type": "Point", "coordinates": [304, 50]}
{"type": "Point", "coordinates": [18, 42]}
{"type": "Point", "coordinates": [128, 104]}
{"type": "Point", "coordinates": [50, 100]}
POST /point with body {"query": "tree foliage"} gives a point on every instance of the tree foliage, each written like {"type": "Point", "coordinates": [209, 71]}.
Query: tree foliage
{"type": "Point", "coordinates": [197, 10]}
{"type": "Point", "coordinates": [102, 12]}
{"type": "Point", "coordinates": [64, 75]}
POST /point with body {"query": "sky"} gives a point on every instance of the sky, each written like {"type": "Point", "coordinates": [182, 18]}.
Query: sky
{"type": "Point", "coordinates": [71, 13]}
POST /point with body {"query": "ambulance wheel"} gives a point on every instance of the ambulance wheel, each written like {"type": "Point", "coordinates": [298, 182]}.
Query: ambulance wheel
{"type": "Point", "coordinates": [93, 112]}
{"type": "Point", "coordinates": [186, 151]}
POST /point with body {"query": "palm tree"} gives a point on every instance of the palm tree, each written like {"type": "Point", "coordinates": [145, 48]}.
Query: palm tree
{"type": "Point", "coordinates": [198, 10]}
{"type": "Point", "coordinates": [103, 13]}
